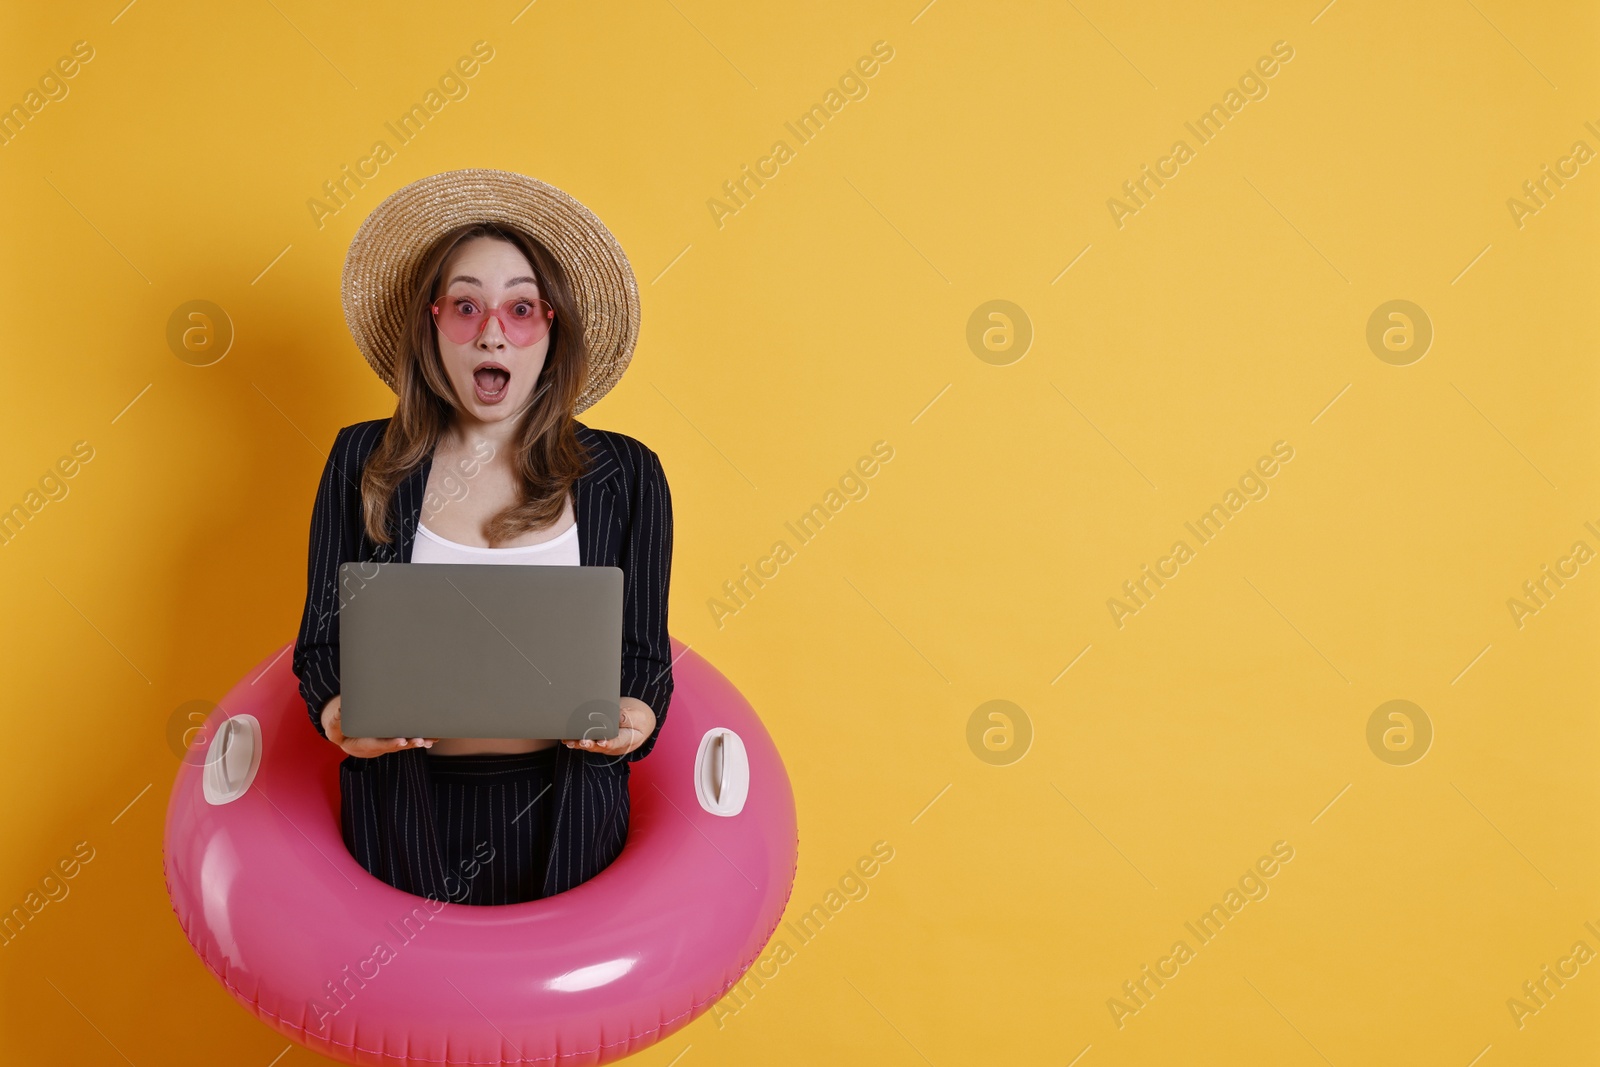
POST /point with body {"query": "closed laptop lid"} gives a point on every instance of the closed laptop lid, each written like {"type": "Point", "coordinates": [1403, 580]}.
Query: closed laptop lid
{"type": "Point", "coordinates": [479, 650]}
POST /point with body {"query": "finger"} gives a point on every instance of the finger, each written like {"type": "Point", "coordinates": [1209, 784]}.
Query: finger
{"type": "Point", "coordinates": [621, 743]}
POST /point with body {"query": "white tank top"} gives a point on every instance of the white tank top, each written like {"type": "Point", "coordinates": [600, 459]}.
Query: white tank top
{"type": "Point", "coordinates": [559, 550]}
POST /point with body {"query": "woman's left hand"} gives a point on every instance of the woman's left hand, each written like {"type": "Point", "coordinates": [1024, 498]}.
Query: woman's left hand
{"type": "Point", "coordinates": [636, 722]}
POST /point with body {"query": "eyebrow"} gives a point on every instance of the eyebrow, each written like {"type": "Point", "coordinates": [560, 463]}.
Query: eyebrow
{"type": "Point", "coordinates": [469, 278]}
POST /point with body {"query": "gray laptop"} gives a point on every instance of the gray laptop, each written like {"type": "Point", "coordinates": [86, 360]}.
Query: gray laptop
{"type": "Point", "coordinates": [479, 650]}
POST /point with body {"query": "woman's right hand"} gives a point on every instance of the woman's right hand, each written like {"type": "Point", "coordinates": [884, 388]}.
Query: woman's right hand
{"type": "Point", "coordinates": [365, 747]}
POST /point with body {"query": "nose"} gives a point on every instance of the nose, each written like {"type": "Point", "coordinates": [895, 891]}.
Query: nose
{"type": "Point", "coordinates": [492, 337]}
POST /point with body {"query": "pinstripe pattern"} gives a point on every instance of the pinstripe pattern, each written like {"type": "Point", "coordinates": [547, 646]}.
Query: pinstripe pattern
{"type": "Point", "coordinates": [624, 517]}
{"type": "Point", "coordinates": [495, 816]}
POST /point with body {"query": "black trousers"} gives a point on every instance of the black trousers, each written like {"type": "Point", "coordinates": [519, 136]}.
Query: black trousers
{"type": "Point", "coordinates": [397, 810]}
{"type": "Point", "coordinates": [493, 814]}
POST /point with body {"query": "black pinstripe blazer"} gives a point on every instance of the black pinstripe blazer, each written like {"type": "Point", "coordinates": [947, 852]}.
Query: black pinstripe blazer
{"type": "Point", "coordinates": [624, 517]}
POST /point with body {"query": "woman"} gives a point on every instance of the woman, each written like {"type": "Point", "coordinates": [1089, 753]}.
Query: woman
{"type": "Point", "coordinates": [493, 345]}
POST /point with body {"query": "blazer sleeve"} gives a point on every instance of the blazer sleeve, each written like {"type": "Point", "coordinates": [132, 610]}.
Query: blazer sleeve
{"type": "Point", "coordinates": [646, 561]}
{"type": "Point", "coordinates": [334, 524]}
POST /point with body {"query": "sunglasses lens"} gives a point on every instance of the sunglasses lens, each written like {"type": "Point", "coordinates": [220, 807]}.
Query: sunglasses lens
{"type": "Point", "coordinates": [524, 321]}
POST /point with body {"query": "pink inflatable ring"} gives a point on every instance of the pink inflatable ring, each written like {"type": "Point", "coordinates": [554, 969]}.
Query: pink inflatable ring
{"type": "Point", "coordinates": [343, 963]}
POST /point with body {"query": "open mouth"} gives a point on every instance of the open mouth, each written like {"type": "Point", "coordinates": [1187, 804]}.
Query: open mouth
{"type": "Point", "coordinates": [490, 381]}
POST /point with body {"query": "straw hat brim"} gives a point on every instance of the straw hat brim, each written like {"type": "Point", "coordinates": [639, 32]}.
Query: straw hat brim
{"type": "Point", "coordinates": [385, 257]}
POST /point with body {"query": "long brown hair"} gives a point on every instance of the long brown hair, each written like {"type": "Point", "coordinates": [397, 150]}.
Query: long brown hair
{"type": "Point", "coordinates": [548, 457]}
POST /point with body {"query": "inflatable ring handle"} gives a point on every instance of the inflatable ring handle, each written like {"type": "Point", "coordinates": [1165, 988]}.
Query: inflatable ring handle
{"type": "Point", "coordinates": [233, 757]}
{"type": "Point", "coordinates": [722, 772]}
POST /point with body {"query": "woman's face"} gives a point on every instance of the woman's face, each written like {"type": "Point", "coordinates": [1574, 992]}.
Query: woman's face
{"type": "Point", "coordinates": [492, 377]}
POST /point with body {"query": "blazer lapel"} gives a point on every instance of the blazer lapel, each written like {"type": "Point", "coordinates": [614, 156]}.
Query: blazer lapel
{"type": "Point", "coordinates": [408, 507]}
{"type": "Point", "coordinates": [594, 500]}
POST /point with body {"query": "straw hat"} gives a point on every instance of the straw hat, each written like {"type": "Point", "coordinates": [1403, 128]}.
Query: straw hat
{"type": "Point", "coordinates": [386, 252]}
